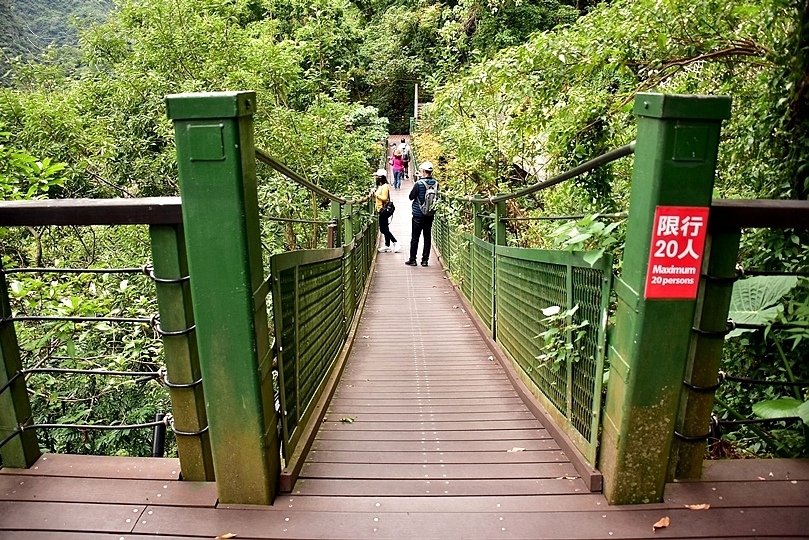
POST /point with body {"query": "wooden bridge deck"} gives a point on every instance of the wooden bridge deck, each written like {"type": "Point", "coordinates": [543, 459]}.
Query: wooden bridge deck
{"type": "Point", "coordinates": [425, 438]}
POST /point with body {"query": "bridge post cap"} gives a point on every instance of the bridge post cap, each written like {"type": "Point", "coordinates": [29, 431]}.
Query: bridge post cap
{"type": "Point", "coordinates": [686, 106]}
{"type": "Point", "coordinates": [202, 105]}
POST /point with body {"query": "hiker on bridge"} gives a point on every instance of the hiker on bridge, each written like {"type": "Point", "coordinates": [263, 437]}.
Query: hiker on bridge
{"type": "Point", "coordinates": [385, 209]}
{"type": "Point", "coordinates": [423, 195]}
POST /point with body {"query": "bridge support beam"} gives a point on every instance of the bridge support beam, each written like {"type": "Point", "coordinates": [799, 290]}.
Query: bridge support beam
{"type": "Point", "coordinates": [21, 449]}
{"type": "Point", "coordinates": [675, 161]}
{"type": "Point", "coordinates": [216, 160]}
{"type": "Point", "coordinates": [180, 350]}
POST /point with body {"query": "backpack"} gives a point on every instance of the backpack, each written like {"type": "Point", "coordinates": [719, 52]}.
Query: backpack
{"type": "Point", "coordinates": [406, 153]}
{"type": "Point", "coordinates": [427, 207]}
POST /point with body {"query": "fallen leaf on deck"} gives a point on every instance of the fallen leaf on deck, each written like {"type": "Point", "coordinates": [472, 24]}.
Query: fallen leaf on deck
{"type": "Point", "coordinates": [516, 449]}
{"type": "Point", "coordinates": [225, 536]}
{"type": "Point", "coordinates": [366, 337]}
{"type": "Point", "coordinates": [661, 523]}
{"type": "Point", "coordinates": [698, 506]}
{"type": "Point", "coordinates": [347, 420]}
{"type": "Point", "coordinates": [490, 358]}
{"type": "Point", "coordinates": [761, 478]}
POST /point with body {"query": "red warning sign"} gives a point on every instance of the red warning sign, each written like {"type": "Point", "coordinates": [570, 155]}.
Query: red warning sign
{"type": "Point", "coordinates": [675, 258]}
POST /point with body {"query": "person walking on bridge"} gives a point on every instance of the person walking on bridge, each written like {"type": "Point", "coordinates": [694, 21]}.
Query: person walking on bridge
{"type": "Point", "coordinates": [423, 195]}
{"type": "Point", "coordinates": [397, 166]}
{"type": "Point", "coordinates": [384, 207]}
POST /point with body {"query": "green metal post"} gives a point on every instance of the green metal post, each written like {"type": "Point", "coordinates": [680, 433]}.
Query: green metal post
{"type": "Point", "coordinates": [477, 218]}
{"type": "Point", "coordinates": [499, 224]}
{"type": "Point", "coordinates": [182, 359]}
{"type": "Point", "coordinates": [337, 218]}
{"type": "Point", "coordinates": [22, 450]}
{"type": "Point", "coordinates": [216, 162]}
{"type": "Point", "coordinates": [702, 370]}
{"type": "Point", "coordinates": [348, 223]}
{"type": "Point", "coordinates": [675, 161]}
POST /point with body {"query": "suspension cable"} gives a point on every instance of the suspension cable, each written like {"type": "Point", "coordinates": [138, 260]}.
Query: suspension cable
{"type": "Point", "coordinates": [294, 220]}
{"type": "Point", "coordinates": [587, 166]}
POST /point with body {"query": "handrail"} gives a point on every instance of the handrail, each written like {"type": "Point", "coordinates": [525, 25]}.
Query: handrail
{"type": "Point", "coordinates": [264, 157]}
{"type": "Point", "coordinates": [141, 211]}
{"type": "Point", "coordinates": [603, 159]}
{"type": "Point", "coordinates": [758, 213]}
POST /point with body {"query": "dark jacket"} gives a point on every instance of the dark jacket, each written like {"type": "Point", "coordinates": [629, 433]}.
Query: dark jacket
{"type": "Point", "coordinates": [418, 192]}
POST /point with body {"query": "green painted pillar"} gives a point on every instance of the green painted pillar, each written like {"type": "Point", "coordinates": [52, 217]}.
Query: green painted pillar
{"type": "Point", "coordinates": [216, 162]}
{"type": "Point", "coordinates": [705, 355]}
{"type": "Point", "coordinates": [675, 160]}
{"type": "Point", "coordinates": [348, 223]}
{"type": "Point", "coordinates": [180, 349]}
{"type": "Point", "coordinates": [22, 450]}
{"type": "Point", "coordinates": [337, 218]}
{"type": "Point", "coordinates": [499, 224]}
{"type": "Point", "coordinates": [477, 218]}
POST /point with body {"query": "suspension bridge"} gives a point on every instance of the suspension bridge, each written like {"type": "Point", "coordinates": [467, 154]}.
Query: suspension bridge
{"type": "Point", "coordinates": [338, 393]}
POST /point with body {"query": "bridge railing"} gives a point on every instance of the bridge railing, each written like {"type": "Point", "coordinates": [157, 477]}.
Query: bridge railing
{"type": "Point", "coordinates": [314, 298]}
{"type": "Point", "coordinates": [713, 321]}
{"type": "Point", "coordinates": [658, 293]}
{"type": "Point", "coordinates": [174, 325]}
{"type": "Point", "coordinates": [547, 309]}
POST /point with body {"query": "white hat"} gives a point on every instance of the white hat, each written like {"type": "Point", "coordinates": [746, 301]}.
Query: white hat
{"type": "Point", "coordinates": [381, 172]}
{"type": "Point", "coordinates": [426, 166]}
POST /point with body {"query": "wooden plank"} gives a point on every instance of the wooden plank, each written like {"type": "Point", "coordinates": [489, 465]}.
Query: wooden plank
{"type": "Point", "coordinates": [431, 416]}
{"type": "Point", "coordinates": [102, 467]}
{"type": "Point", "coordinates": [755, 469]}
{"type": "Point", "coordinates": [419, 457]}
{"type": "Point", "coordinates": [448, 447]}
{"type": "Point", "coordinates": [525, 525]}
{"type": "Point", "coordinates": [63, 535]}
{"type": "Point", "coordinates": [437, 488]}
{"type": "Point", "coordinates": [762, 494]}
{"type": "Point", "coordinates": [451, 471]}
{"type": "Point", "coordinates": [385, 505]}
{"type": "Point", "coordinates": [427, 425]}
{"type": "Point", "coordinates": [47, 516]}
{"type": "Point", "coordinates": [388, 407]}
{"type": "Point", "coordinates": [430, 435]}
{"type": "Point", "coordinates": [105, 490]}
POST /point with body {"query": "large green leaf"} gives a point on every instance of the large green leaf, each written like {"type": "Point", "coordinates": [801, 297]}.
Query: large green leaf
{"type": "Point", "coordinates": [777, 408]}
{"type": "Point", "coordinates": [756, 300]}
{"type": "Point", "coordinates": [803, 412]}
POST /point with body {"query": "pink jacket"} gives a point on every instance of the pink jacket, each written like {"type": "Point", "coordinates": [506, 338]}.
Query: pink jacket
{"type": "Point", "coordinates": [396, 163]}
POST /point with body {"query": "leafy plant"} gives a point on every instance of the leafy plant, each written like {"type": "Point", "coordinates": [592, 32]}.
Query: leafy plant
{"type": "Point", "coordinates": [757, 300]}
{"type": "Point", "coordinates": [587, 234]}
{"type": "Point", "coordinates": [561, 338]}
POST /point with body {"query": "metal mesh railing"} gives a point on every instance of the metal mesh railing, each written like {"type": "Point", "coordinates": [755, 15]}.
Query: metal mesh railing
{"type": "Point", "coordinates": [315, 299]}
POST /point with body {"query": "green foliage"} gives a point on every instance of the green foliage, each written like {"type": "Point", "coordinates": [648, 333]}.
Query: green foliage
{"type": "Point", "coordinates": [85, 399]}
{"type": "Point", "coordinates": [22, 176]}
{"type": "Point", "coordinates": [587, 234]}
{"type": "Point", "coordinates": [561, 338]}
{"type": "Point", "coordinates": [566, 95]}
{"type": "Point", "coordinates": [757, 300]}
{"type": "Point", "coordinates": [778, 303]}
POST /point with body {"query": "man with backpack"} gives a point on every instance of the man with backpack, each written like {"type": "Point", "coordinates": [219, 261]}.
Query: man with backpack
{"type": "Point", "coordinates": [424, 196]}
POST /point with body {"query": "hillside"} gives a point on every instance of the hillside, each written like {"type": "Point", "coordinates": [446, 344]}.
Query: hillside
{"type": "Point", "coordinates": [31, 25]}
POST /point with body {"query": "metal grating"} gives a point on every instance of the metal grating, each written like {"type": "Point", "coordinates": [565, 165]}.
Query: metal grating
{"type": "Point", "coordinates": [482, 282]}
{"type": "Point", "coordinates": [530, 280]}
{"type": "Point", "coordinates": [315, 298]}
